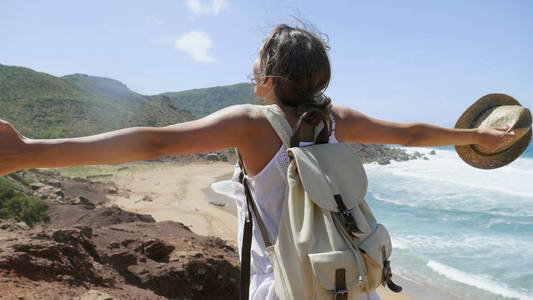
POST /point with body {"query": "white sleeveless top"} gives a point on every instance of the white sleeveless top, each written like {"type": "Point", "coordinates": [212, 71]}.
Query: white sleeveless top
{"type": "Point", "coordinates": [268, 190]}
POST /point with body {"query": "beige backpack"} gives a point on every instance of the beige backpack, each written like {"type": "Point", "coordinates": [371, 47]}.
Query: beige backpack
{"type": "Point", "coordinates": [329, 245]}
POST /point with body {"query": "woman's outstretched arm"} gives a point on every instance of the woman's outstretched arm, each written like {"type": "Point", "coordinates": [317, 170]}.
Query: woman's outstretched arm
{"type": "Point", "coordinates": [222, 129]}
{"type": "Point", "coordinates": [357, 127]}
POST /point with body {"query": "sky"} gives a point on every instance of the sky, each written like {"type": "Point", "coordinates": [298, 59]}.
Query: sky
{"type": "Point", "coordinates": [402, 61]}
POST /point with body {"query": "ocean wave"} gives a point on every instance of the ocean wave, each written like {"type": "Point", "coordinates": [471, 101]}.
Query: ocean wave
{"type": "Point", "coordinates": [506, 222]}
{"type": "Point", "coordinates": [467, 243]}
{"type": "Point", "coordinates": [442, 209]}
{"type": "Point", "coordinates": [484, 186]}
{"type": "Point", "coordinates": [395, 202]}
{"type": "Point", "coordinates": [447, 167]}
{"type": "Point", "coordinates": [399, 244]}
{"type": "Point", "coordinates": [478, 281]}
{"type": "Point", "coordinates": [480, 208]}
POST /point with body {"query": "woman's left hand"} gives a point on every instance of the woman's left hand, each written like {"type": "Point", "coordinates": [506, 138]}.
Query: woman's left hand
{"type": "Point", "coordinates": [493, 138]}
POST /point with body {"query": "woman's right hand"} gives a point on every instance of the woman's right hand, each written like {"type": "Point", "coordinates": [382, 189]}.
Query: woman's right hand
{"type": "Point", "coordinates": [12, 145]}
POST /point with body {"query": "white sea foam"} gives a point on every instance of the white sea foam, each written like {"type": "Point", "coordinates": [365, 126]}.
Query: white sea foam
{"type": "Point", "coordinates": [466, 180]}
{"type": "Point", "coordinates": [399, 244]}
{"type": "Point", "coordinates": [478, 281]}
{"type": "Point", "coordinates": [446, 182]}
{"type": "Point", "coordinates": [466, 243]}
{"type": "Point", "coordinates": [481, 204]}
{"type": "Point", "coordinates": [224, 187]}
{"type": "Point", "coordinates": [514, 179]}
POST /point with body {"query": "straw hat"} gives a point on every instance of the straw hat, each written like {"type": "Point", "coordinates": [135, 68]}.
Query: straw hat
{"type": "Point", "coordinates": [495, 110]}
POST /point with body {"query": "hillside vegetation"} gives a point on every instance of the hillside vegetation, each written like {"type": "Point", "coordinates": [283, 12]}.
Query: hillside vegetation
{"type": "Point", "coordinates": [201, 102]}
{"type": "Point", "coordinates": [16, 204]}
{"type": "Point", "coordinates": [40, 105]}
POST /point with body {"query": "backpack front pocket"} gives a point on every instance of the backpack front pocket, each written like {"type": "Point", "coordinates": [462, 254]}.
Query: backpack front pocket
{"type": "Point", "coordinates": [325, 265]}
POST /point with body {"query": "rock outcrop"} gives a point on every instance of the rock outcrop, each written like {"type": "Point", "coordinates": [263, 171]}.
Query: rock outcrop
{"type": "Point", "coordinates": [100, 252]}
{"type": "Point", "coordinates": [382, 154]}
{"type": "Point", "coordinates": [165, 258]}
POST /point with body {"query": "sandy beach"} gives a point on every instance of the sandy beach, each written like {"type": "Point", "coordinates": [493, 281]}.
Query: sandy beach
{"type": "Point", "coordinates": [181, 193]}
{"type": "Point", "coordinates": [177, 193]}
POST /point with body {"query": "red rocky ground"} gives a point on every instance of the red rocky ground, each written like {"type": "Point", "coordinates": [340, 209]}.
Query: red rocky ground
{"type": "Point", "coordinates": [90, 251]}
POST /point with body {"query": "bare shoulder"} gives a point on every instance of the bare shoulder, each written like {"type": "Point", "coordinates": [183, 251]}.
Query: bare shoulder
{"type": "Point", "coordinates": [354, 126]}
{"type": "Point", "coordinates": [346, 121]}
{"type": "Point", "coordinates": [257, 125]}
{"type": "Point", "coordinates": [237, 112]}
{"type": "Point", "coordinates": [344, 111]}
{"type": "Point", "coordinates": [250, 113]}
{"type": "Point", "coordinates": [236, 118]}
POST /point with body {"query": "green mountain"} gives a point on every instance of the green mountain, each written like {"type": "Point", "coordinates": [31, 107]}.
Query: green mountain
{"type": "Point", "coordinates": [201, 102]}
{"type": "Point", "coordinates": [40, 105]}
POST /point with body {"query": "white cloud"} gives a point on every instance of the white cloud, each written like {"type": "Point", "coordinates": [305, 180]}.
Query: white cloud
{"type": "Point", "coordinates": [212, 8]}
{"type": "Point", "coordinates": [197, 44]}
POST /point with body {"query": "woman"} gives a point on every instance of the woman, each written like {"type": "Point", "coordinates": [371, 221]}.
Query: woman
{"type": "Point", "coordinates": [292, 71]}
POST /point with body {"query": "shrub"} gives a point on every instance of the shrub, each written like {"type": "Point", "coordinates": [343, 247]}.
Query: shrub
{"type": "Point", "coordinates": [19, 176]}
{"type": "Point", "coordinates": [15, 204]}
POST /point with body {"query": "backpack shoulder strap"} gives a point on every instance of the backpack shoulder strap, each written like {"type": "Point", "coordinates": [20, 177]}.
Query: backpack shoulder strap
{"type": "Point", "coordinates": [247, 233]}
{"type": "Point", "coordinates": [278, 121]}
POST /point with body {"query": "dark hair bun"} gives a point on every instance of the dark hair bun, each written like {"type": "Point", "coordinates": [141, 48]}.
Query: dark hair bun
{"type": "Point", "coordinates": [296, 61]}
{"type": "Point", "coordinates": [320, 107]}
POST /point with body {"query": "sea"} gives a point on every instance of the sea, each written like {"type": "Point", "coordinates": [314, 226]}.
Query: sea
{"type": "Point", "coordinates": [455, 228]}
{"type": "Point", "coordinates": [463, 231]}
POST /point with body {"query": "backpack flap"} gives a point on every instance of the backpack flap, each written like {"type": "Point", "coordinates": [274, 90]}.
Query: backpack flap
{"type": "Point", "coordinates": [328, 171]}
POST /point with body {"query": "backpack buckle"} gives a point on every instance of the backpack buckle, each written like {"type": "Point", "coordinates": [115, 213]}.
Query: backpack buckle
{"type": "Point", "coordinates": [386, 274]}
{"type": "Point", "coordinates": [347, 218]}
{"type": "Point", "coordinates": [349, 221]}
{"type": "Point", "coordinates": [341, 294]}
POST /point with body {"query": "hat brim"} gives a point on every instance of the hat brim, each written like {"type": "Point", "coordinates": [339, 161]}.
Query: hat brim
{"type": "Point", "coordinates": [495, 160]}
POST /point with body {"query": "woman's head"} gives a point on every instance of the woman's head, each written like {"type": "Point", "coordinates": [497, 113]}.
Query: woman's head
{"type": "Point", "coordinates": [293, 64]}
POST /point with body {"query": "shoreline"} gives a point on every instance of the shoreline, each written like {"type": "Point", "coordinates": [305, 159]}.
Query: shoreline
{"type": "Point", "coordinates": [184, 194]}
